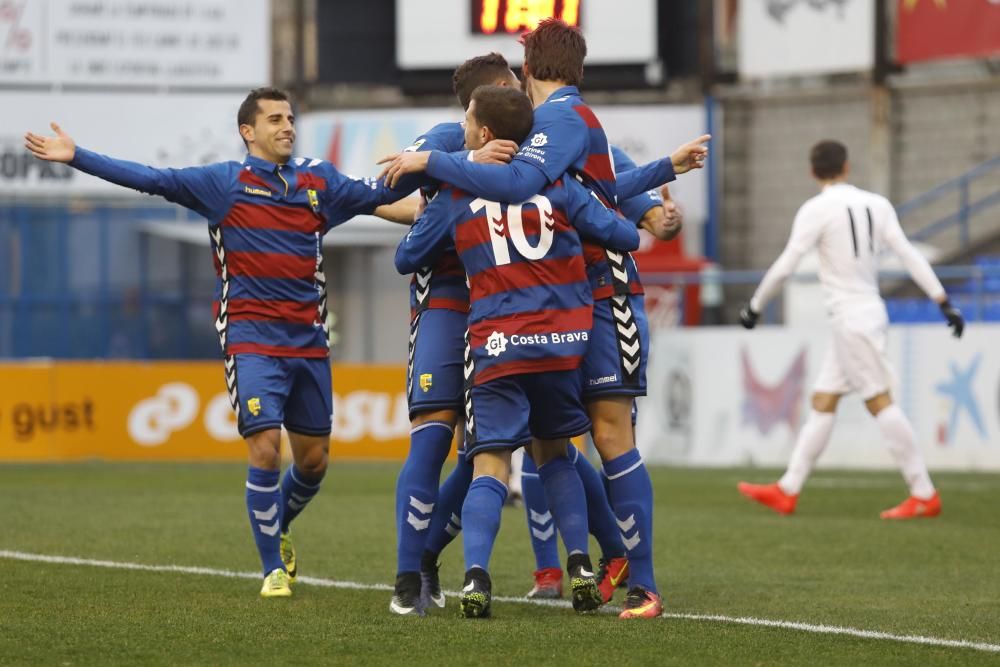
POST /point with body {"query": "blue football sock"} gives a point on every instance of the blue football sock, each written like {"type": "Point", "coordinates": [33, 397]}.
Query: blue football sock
{"type": "Point", "coordinates": [417, 491]}
{"type": "Point", "coordinates": [600, 518]}
{"type": "Point", "coordinates": [564, 492]}
{"type": "Point", "coordinates": [446, 523]}
{"type": "Point", "coordinates": [481, 518]}
{"type": "Point", "coordinates": [632, 502]}
{"type": "Point", "coordinates": [264, 509]}
{"type": "Point", "coordinates": [541, 529]}
{"type": "Point", "coordinates": [297, 489]}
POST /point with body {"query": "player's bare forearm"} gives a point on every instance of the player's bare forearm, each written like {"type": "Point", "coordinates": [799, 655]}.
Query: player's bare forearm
{"type": "Point", "coordinates": [402, 212]}
{"type": "Point", "coordinates": [663, 222]}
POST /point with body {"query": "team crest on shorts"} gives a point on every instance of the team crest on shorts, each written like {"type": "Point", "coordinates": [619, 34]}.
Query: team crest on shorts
{"type": "Point", "coordinates": [426, 381]}
{"type": "Point", "coordinates": [253, 405]}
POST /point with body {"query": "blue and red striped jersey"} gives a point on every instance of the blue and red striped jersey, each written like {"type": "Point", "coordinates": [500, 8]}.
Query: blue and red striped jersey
{"type": "Point", "coordinates": [266, 223]}
{"type": "Point", "coordinates": [530, 303]}
{"type": "Point", "coordinates": [566, 138]}
{"type": "Point", "coordinates": [442, 284]}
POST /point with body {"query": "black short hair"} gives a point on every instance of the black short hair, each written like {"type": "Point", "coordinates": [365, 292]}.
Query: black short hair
{"type": "Point", "coordinates": [506, 111]}
{"type": "Point", "coordinates": [247, 115]}
{"type": "Point", "coordinates": [478, 71]}
{"type": "Point", "coordinates": [827, 159]}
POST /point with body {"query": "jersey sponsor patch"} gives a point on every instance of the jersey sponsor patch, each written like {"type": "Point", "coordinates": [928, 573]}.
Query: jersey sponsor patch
{"type": "Point", "coordinates": [497, 343]}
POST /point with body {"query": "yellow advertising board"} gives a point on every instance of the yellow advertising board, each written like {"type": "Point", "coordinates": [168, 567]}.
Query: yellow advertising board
{"type": "Point", "coordinates": [135, 411]}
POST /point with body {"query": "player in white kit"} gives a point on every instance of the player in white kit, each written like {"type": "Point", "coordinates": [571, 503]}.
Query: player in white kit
{"type": "Point", "coordinates": [849, 227]}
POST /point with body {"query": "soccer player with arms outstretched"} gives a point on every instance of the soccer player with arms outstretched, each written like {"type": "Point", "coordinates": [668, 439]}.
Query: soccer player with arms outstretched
{"type": "Point", "coordinates": [267, 217]}
{"type": "Point", "coordinates": [850, 227]}
{"type": "Point", "coordinates": [568, 138]}
{"type": "Point", "coordinates": [529, 325]}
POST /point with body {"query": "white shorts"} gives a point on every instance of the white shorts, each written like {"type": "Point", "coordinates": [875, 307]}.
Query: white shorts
{"type": "Point", "coordinates": [857, 361]}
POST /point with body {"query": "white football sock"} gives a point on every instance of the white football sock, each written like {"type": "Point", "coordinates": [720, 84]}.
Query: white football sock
{"type": "Point", "coordinates": [812, 440]}
{"type": "Point", "coordinates": [902, 445]}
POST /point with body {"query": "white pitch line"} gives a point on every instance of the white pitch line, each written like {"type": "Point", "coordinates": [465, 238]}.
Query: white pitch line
{"type": "Point", "coordinates": [354, 585]}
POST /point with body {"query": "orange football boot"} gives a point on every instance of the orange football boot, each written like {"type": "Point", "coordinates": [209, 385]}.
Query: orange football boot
{"type": "Point", "coordinates": [915, 508]}
{"type": "Point", "coordinates": [769, 495]}
{"type": "Point", "coordinates": [641, 603]}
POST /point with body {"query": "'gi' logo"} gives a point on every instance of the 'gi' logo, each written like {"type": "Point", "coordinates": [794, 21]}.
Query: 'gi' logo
{"type": "Point", "coordinates": [253, 405]}
{"type": "Point", "coordinates": [539, 140]}
{"type": "Point", "coordinates": [496, 344]}
{"type": "Point", "coordinates": [426, 381]}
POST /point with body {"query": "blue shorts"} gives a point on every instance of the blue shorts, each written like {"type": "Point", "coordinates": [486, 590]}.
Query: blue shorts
{"type": "Point", "coordinates": [271, 392]}
{"type": "Point", "coordinates": [508, 411]}
{"type": "Point", "coordinates": [434, 378]}
{"type": "Point", "coordinates": [615, 363]}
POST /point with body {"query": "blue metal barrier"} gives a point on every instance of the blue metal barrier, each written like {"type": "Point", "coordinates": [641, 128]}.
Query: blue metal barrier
{"type": "Point", "coordinates": [81, 280]}
{"type": "Point", "coordinates": [966, 208]}
{"type": "Point", "coordinates": [76, 281]}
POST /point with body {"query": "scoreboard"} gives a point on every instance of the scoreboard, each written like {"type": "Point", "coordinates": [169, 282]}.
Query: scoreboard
{"type": "Point", "coordinates": [441, 34]}
{"type": "Point", "coordinates": [516, 16]}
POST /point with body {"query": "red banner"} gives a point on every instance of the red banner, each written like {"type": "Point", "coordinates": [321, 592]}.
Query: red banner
{"type": "Point", "coordinates": [935, 29]}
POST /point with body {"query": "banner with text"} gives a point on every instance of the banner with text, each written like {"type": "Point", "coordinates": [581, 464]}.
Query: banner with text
{"type": "Point", "coordinates": [70, 411]}
{"type": "Point", "coordinates": [729, 397]}
{"type": "Point", "coordinates": [136, 43]}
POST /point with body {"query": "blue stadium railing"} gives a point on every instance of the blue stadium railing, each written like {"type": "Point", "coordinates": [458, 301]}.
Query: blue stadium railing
{"type": "Point", "coordinates": [76, 281]}
{"type": "Point", "coordinates": [974, 289]}
{"type": "Point", "coordinates": [85, 280]}
{"type": "Point", "coordinates": [967, 206]}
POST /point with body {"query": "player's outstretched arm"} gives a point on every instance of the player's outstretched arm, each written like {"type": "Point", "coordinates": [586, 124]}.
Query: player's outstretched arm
{"type": "Point", "coordinates": [201, 189]}
{"type": "Point", "coordinates": [57, 148]}
{"type": "Point", "coordinates": [515, 182]}
{"type": "Point", "coordinates": [429, 236]}
{"type": "Point", "coordinates": [597, 223]}
{"type": "Point", "coordinates": [407, 170]}
{"type": "Point", "coordinates": [689, 156]}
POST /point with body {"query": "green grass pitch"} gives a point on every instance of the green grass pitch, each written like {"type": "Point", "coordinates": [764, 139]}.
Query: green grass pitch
{"type": "Point", "coordinates": [834, 563]}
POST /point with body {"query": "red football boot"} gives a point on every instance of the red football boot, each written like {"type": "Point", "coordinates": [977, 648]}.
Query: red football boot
{"type": "Point", "coordinates": [769, 495]}
{"type": "Point", "coordinates": [548, 584]}
{"type": "Point", "coordinates": [915, 508]}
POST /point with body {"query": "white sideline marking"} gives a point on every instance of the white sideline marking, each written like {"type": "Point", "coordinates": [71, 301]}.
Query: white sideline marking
{"type": "Point", "coordinates": [354, 585]}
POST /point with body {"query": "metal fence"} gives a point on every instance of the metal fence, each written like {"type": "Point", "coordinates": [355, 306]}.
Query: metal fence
{"type": "Point", "coordinates": [101, 280]}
